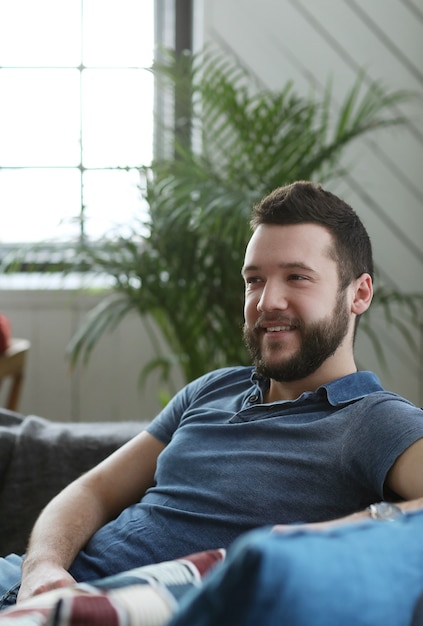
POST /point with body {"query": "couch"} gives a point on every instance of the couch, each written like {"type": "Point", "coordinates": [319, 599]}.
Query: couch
{"type": "Point", "coordinates": [38, 458]}
{"type": "Point", "coordinates": [363, 574]}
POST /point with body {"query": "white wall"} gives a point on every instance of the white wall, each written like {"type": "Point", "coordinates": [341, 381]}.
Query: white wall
{"type": "Point", "coordinates": [107, 388]}
{"type": "Point", "coordinates": [304, 41]}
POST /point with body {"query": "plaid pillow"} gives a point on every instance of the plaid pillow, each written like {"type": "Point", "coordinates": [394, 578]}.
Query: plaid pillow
{"type": "Point", "coordinates": [145, 596]}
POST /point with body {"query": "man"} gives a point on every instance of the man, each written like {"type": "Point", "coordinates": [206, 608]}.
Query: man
{"type": "Point", "coordinates": [300, 437]}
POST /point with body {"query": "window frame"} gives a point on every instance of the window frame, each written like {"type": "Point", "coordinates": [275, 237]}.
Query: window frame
{"type": "Point", "coordinates": [172, 29]}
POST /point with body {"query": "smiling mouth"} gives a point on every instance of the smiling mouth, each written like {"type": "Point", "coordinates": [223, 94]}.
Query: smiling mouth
{"type": "Point", "coordinates": [274, 325]}
{"type": "Point", "coordinates": [278, 329]}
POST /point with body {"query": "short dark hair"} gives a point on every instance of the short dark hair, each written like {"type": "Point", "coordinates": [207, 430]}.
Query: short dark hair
{"type": "Point", "coordinates": [307, 202]}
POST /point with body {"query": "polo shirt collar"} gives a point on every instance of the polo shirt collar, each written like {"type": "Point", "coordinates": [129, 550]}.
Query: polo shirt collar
{"type": "Point", "coordinates": [340, 391]}
{"type": "Point", "coordinates": [352, 387]}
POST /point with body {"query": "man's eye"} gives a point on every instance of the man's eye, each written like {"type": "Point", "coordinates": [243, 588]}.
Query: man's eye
{"type": "Point", "coordinates": [297, 277]}
{"type": "Point", "coordinates": [252, 280]}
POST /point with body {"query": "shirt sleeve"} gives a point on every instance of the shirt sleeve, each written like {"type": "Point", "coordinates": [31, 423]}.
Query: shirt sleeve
{"type": "Point", "coordinates": [167, 421]}
{"type": "Point", "coordinates": [384, 425]}
{"type": "Point", "coordinates": [229, 383]}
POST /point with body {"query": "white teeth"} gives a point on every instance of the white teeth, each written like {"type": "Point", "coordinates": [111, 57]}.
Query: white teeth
{"type": "Point", "coordinates": [275, 329]}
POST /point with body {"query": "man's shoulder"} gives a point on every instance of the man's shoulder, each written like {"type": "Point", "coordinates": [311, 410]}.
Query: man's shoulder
{"type": "Point", "coordinates": [364, 390]}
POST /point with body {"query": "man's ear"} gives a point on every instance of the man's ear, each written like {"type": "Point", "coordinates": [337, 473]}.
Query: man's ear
{"type": "Point", "coordinates": [363, 294]}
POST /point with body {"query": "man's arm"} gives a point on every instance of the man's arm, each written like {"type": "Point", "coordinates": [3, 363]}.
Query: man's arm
{"type": "Point", "coordinates": [74, 515]}
{"type": "Point", "coordinates": [405, 478]}
{"type": "Point", "coordinates": [406, 475]}
{"type": "Point", "coordinates": [409, 505]}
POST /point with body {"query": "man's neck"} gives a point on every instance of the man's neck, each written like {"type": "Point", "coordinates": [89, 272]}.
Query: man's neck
{"type": "Point", "coordinates": [291, 390]}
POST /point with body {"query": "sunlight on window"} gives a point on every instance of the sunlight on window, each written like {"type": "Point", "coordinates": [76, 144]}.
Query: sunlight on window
{"type": "Point", "coordinates": [76, 117]}
{"type": "Point", "coordinates": [32, 197]}
{"type": "Point", "coordinates": [39, 121]}
{"type": "Point", "coordinates": [124, 98]}
{"type": "Point", "coordinates": [40, 33]}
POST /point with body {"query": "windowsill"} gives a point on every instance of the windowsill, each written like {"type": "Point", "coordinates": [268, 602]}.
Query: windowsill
{"type": "Point", "coordinates": [46, 281]}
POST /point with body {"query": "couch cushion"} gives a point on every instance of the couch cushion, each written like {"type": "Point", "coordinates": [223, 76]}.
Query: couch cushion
{"type": "Point", "coordinates": [38, 458]}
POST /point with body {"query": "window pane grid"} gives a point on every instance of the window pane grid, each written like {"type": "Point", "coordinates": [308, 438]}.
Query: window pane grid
{"type": "Point", "coordinates": [76, 121]}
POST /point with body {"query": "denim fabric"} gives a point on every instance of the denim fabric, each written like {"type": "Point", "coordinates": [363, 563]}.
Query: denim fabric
{"type": "Point", "coordinates": [10, 579]}
{"type": "Point", "coordinates": [363, 574]}
{"type": "Point", "coordinates": [418, 612]}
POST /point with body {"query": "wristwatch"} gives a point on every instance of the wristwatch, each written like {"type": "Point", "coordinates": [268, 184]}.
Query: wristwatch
{"type": "Point", "coordinates": [385, 511]}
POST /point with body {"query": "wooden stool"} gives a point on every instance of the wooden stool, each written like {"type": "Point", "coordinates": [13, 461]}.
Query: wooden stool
{"type": "Point", "coordinates": [12, 364]}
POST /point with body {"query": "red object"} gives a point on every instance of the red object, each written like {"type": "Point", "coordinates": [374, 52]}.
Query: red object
{"type": "Point", "coordinates": [5, 333]}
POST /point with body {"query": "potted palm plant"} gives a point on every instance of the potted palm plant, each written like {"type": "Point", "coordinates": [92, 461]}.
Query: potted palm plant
{"type": "Point", "coordinates": [235, 142]}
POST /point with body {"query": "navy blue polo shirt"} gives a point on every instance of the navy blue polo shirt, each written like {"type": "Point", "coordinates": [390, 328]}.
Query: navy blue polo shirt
{"type": "Point", "coordinates": [233, 463]}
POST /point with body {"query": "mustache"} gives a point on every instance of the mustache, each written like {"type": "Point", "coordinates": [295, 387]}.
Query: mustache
{"type": "Point", "coordinates": [283, 320]}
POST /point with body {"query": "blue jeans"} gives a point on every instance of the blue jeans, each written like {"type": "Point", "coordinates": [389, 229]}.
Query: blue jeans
{"type": "Point", "coordinates": [10, 579]}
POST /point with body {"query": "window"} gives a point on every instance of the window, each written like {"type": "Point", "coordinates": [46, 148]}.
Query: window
{"type": "Point", "coordinates": [76, 115]}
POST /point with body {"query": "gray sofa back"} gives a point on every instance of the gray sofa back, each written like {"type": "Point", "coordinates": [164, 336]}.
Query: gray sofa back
{"type": "Point", "coordinates": [38, 458]}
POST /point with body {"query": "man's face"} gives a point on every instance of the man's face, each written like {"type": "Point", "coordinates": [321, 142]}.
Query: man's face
{"type": "Point", "coordinates": [295, 316]}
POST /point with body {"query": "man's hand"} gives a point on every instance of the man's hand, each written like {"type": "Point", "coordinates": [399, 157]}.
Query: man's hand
{"type": "Point", "coordinates": [409, 505]}
{"type": "Point", "coordinates": [69, 520]}
{"type": "Point", "coordinates": [286, 528]}
{"type": "Point", "coordinates": [42, 577]}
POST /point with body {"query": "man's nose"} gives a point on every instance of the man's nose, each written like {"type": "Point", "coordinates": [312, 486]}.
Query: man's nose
{"type": "Point", "coordinates": [273, 298]}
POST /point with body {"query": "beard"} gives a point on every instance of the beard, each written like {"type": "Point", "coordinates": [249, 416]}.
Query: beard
{"type": "Point", "coordinates": [319, 341]}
